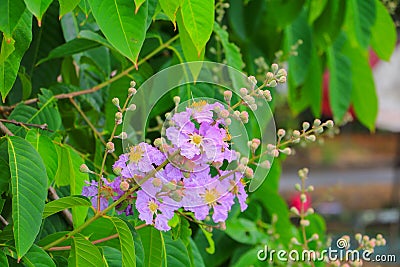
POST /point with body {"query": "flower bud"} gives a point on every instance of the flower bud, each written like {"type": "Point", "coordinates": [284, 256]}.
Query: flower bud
{"type": "Point", "coordinates": [228, 121]}
{"type": "Point", "coordinates": [310, 188]}
{"type": "Point", "coordinates": [253, 107]}
{"type": "Point", "coordinates": [314, 237]}
{"type": "Point", "coordinates": [317, 123]}
{"type": "Point", "coordinates": [131, 107]}
{"type": "Point", "coordinates": [244, 116]}
{"type": "Point", "coordinates": [118, 118]}
{"type": "Point", "coordinates": [115, 101]}
{"type": "Point", "coordinates": [110, 147]}
{"type": "Point", "coordinates": [158, 142]}
{"type": "Point", "coordinates": [269, 76]}
{"type": "Point", "coordinates": [275, 153]}
{"type": "Point", "coordinates": [282, 79]}
{"type": "Point", "coordinates": [306, 126]}
{"type": "Point", "coordinates": [287, 151]}
{"type": "Point", "coordinates": [228, 96]}
{"type": "Point", "coordinates": [295, 211]}
{"type": "Point", "coordinates": [122, 136]}
{"type": "Point", "coordinates": [303, 198]}
{"type": "Point", "coordinates": [249, 173]}
{"type": "Point", "coordinates": [177, 100]}
{"type": "Point", "coordinates": [267, 95]}
{"type": "Point", "coordinates": [117, 170]}
{"type": "Point", "coordinates": [156, 182]}
{"type": "Point", "coordinates": [329, 123]}
{"type": "Point", "coordinates": [281, 133]}
{"type": "Point", "coordinates": [249, 99]}
{"type": "Point", "coordinates": [281, 72]}
{"type": "Point", "coordinates": [252, 79]}
{"type": "Point", "coordinates": [224, 114]}
{"type": "Point", "coordinates": [244, 161]}
{"type": "Point", "coordinates": [272, 83]}
{"type": "Point", "coordinates": [133, 83]}
{"type": "Point", "coordinates": [124, 185]}
{"type": "Point", "coordinates": [311, 138]}
{"type": "Point", "coordinates": [243, 91]}
{"type": "Point", "coordinates": [132, 91]}
{"type": "Point", "coordinates": [304, 223]}
{"type": "Point", "coordinates": [274, 67]}
{"type": "Point", "coordinates": [296, 134]}
{"type": "Point", "coordinates": [297, 186]}
{"type": "Point", "coordinates": [84, 168]}
{"type": "Point", "coordinates": [241, 168]}
{"type": "Point", "coordinates": [310, 211]}
{"type": "Point", "coordinates": [236, 114]}
{"type": "Point", "coordinates": [222, 226]}
{"type": "Point", "coordinates": [265, 164]}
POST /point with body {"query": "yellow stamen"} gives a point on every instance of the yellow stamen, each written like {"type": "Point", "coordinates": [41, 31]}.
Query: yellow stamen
{"type": "Point", "coordinates": [196, 139]}
{"type": "Point", "coordinates": [211, 196]}
{"type": "Point", "coordinates": [153, 206]}
{"type": "Point", "coordinates": [136, 154]}
{"type": "Point", "coordinates": [198, 105]}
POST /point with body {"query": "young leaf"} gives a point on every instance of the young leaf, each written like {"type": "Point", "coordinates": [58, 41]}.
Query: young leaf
{"type": "Point", "coordinates": [126, 242]}
{"type": "Point", "coordinates": [68, 174]}
{"type": "Point", "coordinates": [37, 257]}
{"type": "Point", "coordinates": [177, 254]}
{"type": "Point", "coordinates": [29, 192]}
{"type": "Point", "coordinates": [84, 253]}
{"type": "Point", "coordinates": [198, 18]}
{"type": "Point", "coordinates": [38, 8]}
{"type": "Point", "coordinates": [208, 236]}
{"type": "Point", "coordinates": [12, 11]}
{"type": "Point", "coordinates": [125, 30]}
{"type": "Point", "coordinates": [67, 6]}
{"type": "Point", "coordinates": [64, 203]}
{"type": "Point", "coordinates": [383, 29]}
{"type": "Point", "coordinates": [47, 151]}
{"type": "Point", "coordinates": [153, 246]}
{"type": "Point", "coordinates": [10, 60]}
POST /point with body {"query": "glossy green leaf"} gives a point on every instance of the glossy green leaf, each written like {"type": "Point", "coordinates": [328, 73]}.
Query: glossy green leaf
{"type": "Point", "coordinates": [89, 35]}
{"type": "Point", "coordinates": [126, 242]}
{"type": "Point", "coordinates": [153, 245]}
{"type": "Point", "coordinates": [64, 203]}
{"type": "Point", "coordinates": [3, 259]}
{"type": "Point", "coordinates": [361, 16]}
{"type": "Point", "coordinates": [340, 80]}
{"type": "Point", "coordinates": [11, 53]}
{"type": "Point", "coordinates": [46, 114]}
{"type": "Point", "coordinates": [47, 151]}
{"type": "Point", "coordinates": [12, 11]}
{"type": "Point", "coordinates": [383, 39]}
{"type": "Point", "coordinates": [85, 7]}
{"type": "Point", "coordinates": [67, 6]}
{"type": "Point", "coordinates": [170, 8]}
{"type": "Point", "coordinates": [37, 257]}
{"type": "Point", "coordinates": [38, 8]}
{"type": "Point", "coordinates": [177, 254]}
{"type": "Point", "coordinates": [194, 254]}
{"type": "Point", "coordinates": [29, 192]}
{"type": "Point", "coordinates": [68, 174]}
{"type": "Point", "coordinates": [363, 97]}
{"type": "Point", "coordinates": [208, 235]}
{"type": "Point", "coordinates": [84, 253]}
{"type": "Point", "coordinates": [124, 29]}
{"type": "Point", "coordinates": [299, 64]}
{"type": "Point", "coordinates": [112, 256]}
{"type": "Point", "coordinates": [315, 9]}
{"type": "Point", "coordinates": [138, 3]}
{"type": "Point", "coordinates": [198, 18]}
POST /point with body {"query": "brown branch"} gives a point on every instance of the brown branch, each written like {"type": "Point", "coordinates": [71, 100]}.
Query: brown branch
{"type": "Point", "coordinates": [23, 124]}
{"type": "Point", "coordinates": [3, 221]}
{"type": "Point", "coordinates": [101, 85]}
{"type": "Point", "coordinates": [5, 130]}
{"type": "Point", "coordinates": [66, 213]}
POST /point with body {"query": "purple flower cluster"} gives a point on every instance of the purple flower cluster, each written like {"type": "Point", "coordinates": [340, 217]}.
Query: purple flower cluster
{"type": "Point", "coordinates": [196, 146]}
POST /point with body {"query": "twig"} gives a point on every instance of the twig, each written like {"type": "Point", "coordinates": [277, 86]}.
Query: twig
{"type": "Point", "coordinates": [90, 124]}
{"type": "Point", "coordinates": [3, 221]}
{"type": "Point", "coordinates": [24, 124]}
{"type": "Point", "coordinates": [5, 130]}
{"type": "Point", "coordinates": [66, 213]}
{"type": "Point", "coordinates": [101, 85]}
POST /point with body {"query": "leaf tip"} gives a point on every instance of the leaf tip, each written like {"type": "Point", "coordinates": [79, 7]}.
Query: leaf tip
{"type": "Point", "coordinates": [39, 22]}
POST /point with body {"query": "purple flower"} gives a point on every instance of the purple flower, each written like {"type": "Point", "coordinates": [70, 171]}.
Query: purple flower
{"type": "Point", "coordinates": [91, 191]}
{"type": "Point", "coordinates": [151, 209]}
{"type": "Point", "coordinates": [142, 156]}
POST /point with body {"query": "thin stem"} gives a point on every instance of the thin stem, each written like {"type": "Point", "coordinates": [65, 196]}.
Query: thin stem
{"type": "Point", "coordinates": [23, 124]}
{"type": "Point", "coordinates": [5, 130]}
{"type": "Point", "coordinates": [101, 85]}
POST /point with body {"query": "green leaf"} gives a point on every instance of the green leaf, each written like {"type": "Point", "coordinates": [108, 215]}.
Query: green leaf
{"type": "Point", "coordinates": [12, 11]}
{"type": "Point", "coordinates": [249, 258]}
{"type": "Point", "coordinates": [68, 174]}
{"type": "Point", "coordinates": [194, 254]}
{"type": "Point", "coordinates": [47, 151]}
{"type": "Point", "coordinates": [85, 7]}
{"type": "Point", "coordinates": [89, 35]}
{"type": "Point", "coordinates": [232, 52]}
{"type": "Point", "coordinates": [29, 192]}
{"type": "Point", "coordinates": [112, 256]}
{"type": "Point", "coordinates": [72, 47]}
{"type": "Point", "coordinates": [37, 257]}
{"type": "Point", "coordinates": [46, 114]}
{"type": "Point", "coordinates": [198, 18]}
{"type": "Point", "coordinates": [38, 8]}
{"type": "Point", "coordinates": [245, 231]}
{"type": "Point", "coordinates": [361, 16]}
{"type": "Point", "coordinates": [299, 65]}
{"type": "Point", "coordinates": [363, 97]}
{"type": "Point", "coordinates": [170, 7]}
{"type": "Point", "coordinates": [84, 253]}
{"type": "Point", "coordinates": [12, 53]}
{"type": "Point", "coordinates": [64, 203]}
{"type": "Point", "coordinates": [313, 84]}
{"type": "Point", "coordinates": [5, 175]}
{"type": "Point", "coordinates": [67, 6]}
{"type": "Point", "coordinates": [208, 235]}
{"type": "Point", "coordinates": [177, 254]}
{"type": "Point", "coordinates": [138, 3]}
{"type": "Point", "coordinates": [26, 84]}
{"type": "Point", "coordinates": [126, 242]}
{"type": "Point", "coordinates": [383, 39]}
{"type": "Point", "coordinates": [125, 30]}
{"type": "Point", "coordinates": [3, 259]}
{"type": "Point", "coordinates": [153, 246]}
{"type": "Point", "coordinates": [315, 9]}
{"type": "Point", "coordinates": [340, 80]}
